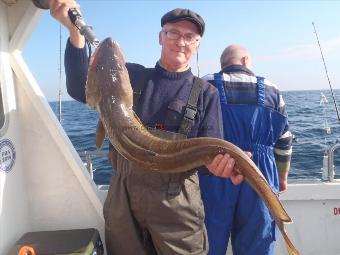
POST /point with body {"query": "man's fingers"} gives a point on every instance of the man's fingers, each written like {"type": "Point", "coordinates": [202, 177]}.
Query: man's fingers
{"type": "Point", "coordinates": [249, 154]}
{"type": "Point", "coordinates": [215, 162]}
{"type": "Point", "coordinates": [224, 166]}
{"type": "Point", "coordinates": [218, 165]}
{"type": "Point", "coordinates": [228, 167]}
{"type": "Point", "coordinates": [236, 178]}
{"type": "Point", "coordinates": [221, 167]}
{"type": "Point", "coordinates": [59, 10]}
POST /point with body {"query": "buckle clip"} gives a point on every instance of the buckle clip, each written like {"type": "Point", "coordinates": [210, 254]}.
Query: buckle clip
{"type": "Point", "coordinates": [190, 112]}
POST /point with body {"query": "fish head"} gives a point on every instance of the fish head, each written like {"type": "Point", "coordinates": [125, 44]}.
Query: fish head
{"type": "Point", "coordinates": [108, 79]}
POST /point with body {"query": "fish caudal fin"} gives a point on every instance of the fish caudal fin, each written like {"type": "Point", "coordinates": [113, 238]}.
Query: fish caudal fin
{"type": "Point", "coordinates": [290, 246]}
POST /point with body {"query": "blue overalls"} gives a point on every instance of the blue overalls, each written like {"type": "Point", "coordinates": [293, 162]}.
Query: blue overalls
{"type": "Point", "coordinates": [238, 209]}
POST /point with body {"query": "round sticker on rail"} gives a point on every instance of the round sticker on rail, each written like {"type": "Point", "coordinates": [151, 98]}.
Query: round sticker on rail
{"type": "Point", "coordinates": [7, 155]}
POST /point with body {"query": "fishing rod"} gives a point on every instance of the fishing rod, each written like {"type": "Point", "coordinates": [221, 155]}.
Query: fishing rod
{"type": "Point", "coordinates": [76, 19]}
{"type": "Point", "coordinates": [329, 81]}
{"type": "Point", "coordinates": [84, 29]}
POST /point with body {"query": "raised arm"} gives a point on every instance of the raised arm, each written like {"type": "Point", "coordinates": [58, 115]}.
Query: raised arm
{"type": "Point", "coordinates": [76, 59]}
{"type": "Point", "coordinates": [59, 10]}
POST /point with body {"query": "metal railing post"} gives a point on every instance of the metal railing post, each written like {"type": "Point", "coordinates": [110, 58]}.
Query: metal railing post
{"type": "Point", "coordinates": [88, 158]}
{"type": "Point", "coordinates": [330, 165]}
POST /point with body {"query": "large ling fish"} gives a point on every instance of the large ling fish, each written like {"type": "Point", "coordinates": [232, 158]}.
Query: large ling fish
{"type": "Point", "coordinates": [108, 90]}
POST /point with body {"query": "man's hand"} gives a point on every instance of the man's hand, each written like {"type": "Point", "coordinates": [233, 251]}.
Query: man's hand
{"type": "Point", "coordinates": [59, 10]}
{"type": "Point", "coordinates": [283, 185]}
{"type": "Point", "coordinates": [283, 168]}
{"type": "Point", "coordinates": [223, 166]}
{"type": "Point", "coordinates": [283, 181]}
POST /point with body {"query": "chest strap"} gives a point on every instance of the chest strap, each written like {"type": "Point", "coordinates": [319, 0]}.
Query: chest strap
{"type": "Point", "coordinates": [218, 81]}
{"type": "Point", "coordinates": [191, 107]}
{"type": "Point", "coordinates": [260, 89]}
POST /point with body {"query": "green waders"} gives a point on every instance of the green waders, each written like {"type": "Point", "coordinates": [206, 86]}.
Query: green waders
{"type": "Point", "coordinates": [153, 213]}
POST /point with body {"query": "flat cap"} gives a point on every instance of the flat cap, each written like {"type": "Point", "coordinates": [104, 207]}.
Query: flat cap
{"type": "Point", "coordinates": [184, 14]}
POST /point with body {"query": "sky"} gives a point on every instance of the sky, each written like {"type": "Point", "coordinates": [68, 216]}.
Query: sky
{"type": "Point", "coordinates": [278, 34]}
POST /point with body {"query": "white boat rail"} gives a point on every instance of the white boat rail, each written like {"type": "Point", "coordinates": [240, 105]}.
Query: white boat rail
{"type": "Point", "coordinates": [88, 155]}
{"type": "Point", "coordinates": [328, 169]}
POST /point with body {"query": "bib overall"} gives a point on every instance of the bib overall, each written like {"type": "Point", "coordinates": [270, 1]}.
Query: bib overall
{"type": "Point", "coordinates": [238, 209]}
{"type": "Point", "coordinates": [149, 213]}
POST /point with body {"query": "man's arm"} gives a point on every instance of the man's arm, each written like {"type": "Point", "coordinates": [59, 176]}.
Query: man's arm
{"type": "Point", "coordinates": [283, 149]}
{"type": "Point", "coordinates": [76, 65]}
{"type": "Point", "coordinates": [283, 154]}
{"type": "Point", "coordinates": [59, 10]}
{"type": "Point", "coordinates": [76, 59]}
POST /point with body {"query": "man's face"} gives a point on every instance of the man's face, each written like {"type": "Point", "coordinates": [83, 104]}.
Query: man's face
{"type": "Point", "coordinates": [176, 53]}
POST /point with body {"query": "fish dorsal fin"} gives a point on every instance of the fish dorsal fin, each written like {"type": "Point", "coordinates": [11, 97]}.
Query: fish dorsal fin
{"type": "Point", "coordinates": [100, 134]}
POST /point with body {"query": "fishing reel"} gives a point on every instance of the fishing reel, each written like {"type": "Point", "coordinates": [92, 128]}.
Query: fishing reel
{"type": "Point", "coordinates": [76, 19]}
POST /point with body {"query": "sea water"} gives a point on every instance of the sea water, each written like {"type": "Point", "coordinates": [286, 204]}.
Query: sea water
{"type": "Point", "coordinates": [312, 117]}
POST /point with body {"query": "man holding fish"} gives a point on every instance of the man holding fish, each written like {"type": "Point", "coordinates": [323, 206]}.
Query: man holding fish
{"type": "Point", "coordinates": [149, 212]}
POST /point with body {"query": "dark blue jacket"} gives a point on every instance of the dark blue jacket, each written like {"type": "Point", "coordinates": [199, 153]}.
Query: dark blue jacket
{"type": "Point", "coordinates": [162, 101]}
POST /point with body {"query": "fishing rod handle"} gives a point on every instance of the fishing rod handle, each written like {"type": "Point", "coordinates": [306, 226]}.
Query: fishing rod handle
{"type": "Point", "coordinates": [84, 29]}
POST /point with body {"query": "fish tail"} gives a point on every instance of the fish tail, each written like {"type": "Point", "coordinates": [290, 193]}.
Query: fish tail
{"type": "Point", "coordinates": [290, 246]}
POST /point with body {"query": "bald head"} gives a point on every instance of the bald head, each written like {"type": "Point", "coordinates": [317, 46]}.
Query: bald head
{"type": "Point", "coordinates": [235, 55]}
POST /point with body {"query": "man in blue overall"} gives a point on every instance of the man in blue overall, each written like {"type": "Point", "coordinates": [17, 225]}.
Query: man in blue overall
{"type": "Point", "coordinates": [148, 213]}
{"type": "Point", "coordinates": [255, 119]}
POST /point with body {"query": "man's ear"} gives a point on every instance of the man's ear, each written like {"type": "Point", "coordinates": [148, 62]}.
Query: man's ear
{"type": "Point", "coordinates": [247, 61]}
{"type": "Point", "coordinates": [244, 61]}
{"type": "Point", "coordinates": [198, 46]}
{"type": "Point", "coordinates": [160, 38]}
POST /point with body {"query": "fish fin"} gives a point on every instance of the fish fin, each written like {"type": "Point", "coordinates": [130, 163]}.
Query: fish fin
{"type": "Point", "coordinates": [284, 217]}
{"type": "Point", "coordinates": [100, 134]}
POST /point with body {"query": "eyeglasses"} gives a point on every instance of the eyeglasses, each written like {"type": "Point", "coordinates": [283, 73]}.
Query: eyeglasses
{"type": "Point", "coordinates": [174, 35]}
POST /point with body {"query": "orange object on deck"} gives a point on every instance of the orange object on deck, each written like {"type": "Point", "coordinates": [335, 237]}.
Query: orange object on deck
{"type": "Point", "coordinates": [26, 250]}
